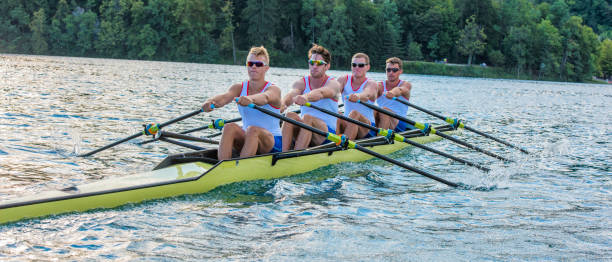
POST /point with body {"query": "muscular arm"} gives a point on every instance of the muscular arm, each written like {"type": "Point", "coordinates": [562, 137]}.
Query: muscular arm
{"type": "Point", "coordinates": [298, 88]}
{"type": "Point", "coordinates": [224, 98]}
{"type": "Point", "coordinates": [402, 90]}
{"type": "Point", "coordinates": [370, 91]}
{"type": "Point", "coordinates": [271, 96]}
{"type": "Point", "coordinates": [331, 89]}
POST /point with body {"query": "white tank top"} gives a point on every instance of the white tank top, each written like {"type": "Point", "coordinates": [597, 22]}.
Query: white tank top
{"type": "Point", "coordinates": [350, 106]}
{"type": "Point", "coordinates": [395, 106]}
{"type": "Point", "coordinates": [254, 117]}
{"type": "Point", "coordinates": [325, 103]}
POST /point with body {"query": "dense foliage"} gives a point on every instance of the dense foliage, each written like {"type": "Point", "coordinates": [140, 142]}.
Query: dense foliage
{"type": "Point", "coordinates": [554, 39]}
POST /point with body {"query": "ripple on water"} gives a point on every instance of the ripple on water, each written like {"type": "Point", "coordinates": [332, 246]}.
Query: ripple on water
{"type": "Point", "coordinates": [551, 205]}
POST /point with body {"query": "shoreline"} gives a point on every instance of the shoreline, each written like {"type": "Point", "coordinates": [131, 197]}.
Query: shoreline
{"type": "Point", "coordinates": [410, 68]}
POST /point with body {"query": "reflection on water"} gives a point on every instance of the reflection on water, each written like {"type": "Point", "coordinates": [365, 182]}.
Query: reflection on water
{"type": "Point", "coordinates": [552, 205]}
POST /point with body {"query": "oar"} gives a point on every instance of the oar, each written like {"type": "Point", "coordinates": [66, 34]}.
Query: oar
{"type": "Point", "coordinates": [154, 128]}
{"type": "Point", "coordinates": [351, 144]}
{"type": "Point", "coordinates": [218, 124]}
{"type": "Point", "coordinates": [426, 128]}
{"type": "Point", "coordinates": [458, 123]}
{"type": "Point", "coordinates": [397, 137]}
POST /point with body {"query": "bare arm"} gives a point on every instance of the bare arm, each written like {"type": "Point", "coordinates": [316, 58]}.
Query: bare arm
{"type": "Point", "coordinates": [298, 88]}
{"type": "Point", "coordinates": [331, 89]}
{"type": "Point", "coordinates": [223, 99]}
{"type": "Point", "coordinates": [402, 90]}
{"type": "Point", "coordinates": [370, 91]}
{"type": "Point", "coordinates": [271, 96]}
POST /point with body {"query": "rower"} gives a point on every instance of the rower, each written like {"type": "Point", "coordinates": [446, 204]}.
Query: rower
{"type": "Point", "coordinates": [319, 89]}
{"type": "Point", "coordinates": [260, 133]}
{"type": "Point", "coordinates": [387, 90]}
{"type": "Point", "coordinates": [357, 87]}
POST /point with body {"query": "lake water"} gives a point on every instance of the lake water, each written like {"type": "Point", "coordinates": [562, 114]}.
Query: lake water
{"type": "Point", "coordinates": [554, 204]}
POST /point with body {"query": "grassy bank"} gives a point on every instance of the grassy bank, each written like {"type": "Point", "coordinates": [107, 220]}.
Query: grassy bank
{"type": "Point", "coordinates": [428, 68]}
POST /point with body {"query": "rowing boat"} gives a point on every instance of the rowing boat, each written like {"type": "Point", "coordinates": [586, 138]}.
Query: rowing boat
{"type": "Point", "coordinates": [195, 173]}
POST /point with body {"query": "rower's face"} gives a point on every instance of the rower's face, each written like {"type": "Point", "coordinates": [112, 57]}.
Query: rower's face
{"type": "Point", "coordinates": [257, 66]}
{"type": "Point", "coordinates": [317, 70]}
{"type": "Point", "coordinates": [359, 66]}
{"type": "Point", "coordinates": [393, 71]}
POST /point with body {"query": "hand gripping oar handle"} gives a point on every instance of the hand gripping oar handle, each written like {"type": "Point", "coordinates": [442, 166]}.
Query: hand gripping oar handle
{"type": "Point", "coordinates": [155, 127]}
{"type": "Point", "coordinates": [426, 128]}
{"type": "Point", "coordinates": [397, 137]}
{"type": "Point", "coordinates": [462, 125]}
{"type": "Point", "coordinates": [351, 144]}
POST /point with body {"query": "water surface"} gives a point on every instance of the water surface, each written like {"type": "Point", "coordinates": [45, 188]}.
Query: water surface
{"type": "Point", "coordinates": [551, 205]}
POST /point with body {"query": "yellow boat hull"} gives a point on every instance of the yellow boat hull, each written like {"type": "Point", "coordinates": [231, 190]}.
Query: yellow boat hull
{"type": "Point", "coordinates": [180, 179]}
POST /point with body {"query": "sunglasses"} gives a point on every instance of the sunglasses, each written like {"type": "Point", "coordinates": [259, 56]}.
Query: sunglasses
{"type": "Point", "coordinates": [392, 69]}
{"type": "Point", "coordinates": [359, 64]}
{"type": "Point", "coordinates": [256, 63]}
{"type": "Point", "coordinates": [317, 62]}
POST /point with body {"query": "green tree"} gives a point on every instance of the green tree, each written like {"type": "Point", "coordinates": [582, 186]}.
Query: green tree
{"type": "Point", "coordinates": [226, 39]}
{"type": "Point", "coordinates": [86, 33]}
{"type": "Point", "coordinates": [579, 46]}
{"type": "Point", "coordinates": [496, 57]}
{"type": "Point", "coordinates": [472, 39]}
{"type": "Point", "coordinates": [414, 51]}
{"type": "Point", "coordinates": [39, 32]}
{"type": "Point", "coordinates": [14, 30]}
{"type": "Point", "coordinates": [605, 58]}
{"type": "Point", "coordinates": [59, 40]}
{"type": "Point", "coordinates": [191, 34]}
{"type": "Point", "coordinates": [391, 31]}
{"type": "Point", "coordinates": [263, 19]}
{"type": "Point", "coordinates": [112, 37]}
{"type": "Point", "coordinates": [337, 36]}
{"type": "Point", "coordinates": [546, 45]}
{"type": "Point", "coordinates": [518, 43]}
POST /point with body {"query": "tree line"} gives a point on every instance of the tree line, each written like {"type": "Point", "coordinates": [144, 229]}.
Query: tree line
{"type": "Point", "coordinates": [555, 39]}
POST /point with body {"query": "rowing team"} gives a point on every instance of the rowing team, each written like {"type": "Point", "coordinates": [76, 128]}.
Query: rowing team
{"type": "Point", "coordinates": [262, 133]}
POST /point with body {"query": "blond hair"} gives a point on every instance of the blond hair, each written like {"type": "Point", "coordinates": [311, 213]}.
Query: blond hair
{"type": "Point", "coordinates": [362, 55]}
{"type": "Point", "coordinates": [395, 60]}
{"type": "Point", "coordinates": [260, 51]}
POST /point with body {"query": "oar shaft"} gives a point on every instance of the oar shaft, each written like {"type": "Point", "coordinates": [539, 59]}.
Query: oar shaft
{"type": "Point", "coordinates": [468, 145]}
{"type": "Point", "coordinates": [413, 169]}
{"type": "Point", "coordinates": [464, 126]}
{"type": "Point", "coordinates": [139, 134]}
{"type": "Point", "coordinates": [112, 145]}
{"type": "Point", "coordinates": [463, 161]}
{"type": "Point", "coordinates": [419, 125]}
{"type": "Point", "coordinates": [187, 137]}
{"type": "Point", "coordinates": [496, 139]}
{"type": "Point", "coordinates": [399, 137]}
{"type": "Point", "coordinates": [180, 118]}
{"type": "Point", "coordinates": [354, 145]}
